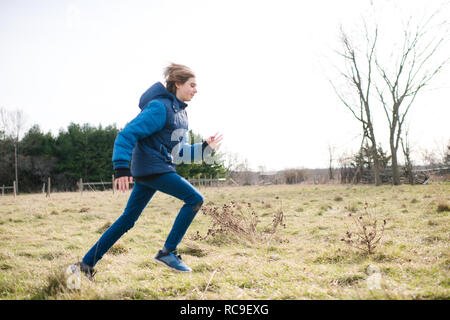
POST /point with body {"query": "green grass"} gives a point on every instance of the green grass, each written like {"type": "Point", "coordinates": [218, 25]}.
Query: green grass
{"type": "Point", "coordinates": [40, 237]}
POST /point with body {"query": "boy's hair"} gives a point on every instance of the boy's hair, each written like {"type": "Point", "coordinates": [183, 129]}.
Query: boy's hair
{"type": "Point", "coordinates": [176, 73]}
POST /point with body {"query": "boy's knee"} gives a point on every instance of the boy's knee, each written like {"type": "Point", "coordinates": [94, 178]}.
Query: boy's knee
{"type": "Point", "coordinates": [197, 201]}
{"type": "Point", "coordinates": [198, 206]}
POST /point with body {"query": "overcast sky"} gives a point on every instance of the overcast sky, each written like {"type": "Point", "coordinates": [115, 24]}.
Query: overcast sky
{"type": "Point", "coordinates": [262, 68]}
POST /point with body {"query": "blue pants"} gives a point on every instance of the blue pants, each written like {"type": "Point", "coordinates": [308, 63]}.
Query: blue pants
{"type": "Point", "coordinates": [143, 191]}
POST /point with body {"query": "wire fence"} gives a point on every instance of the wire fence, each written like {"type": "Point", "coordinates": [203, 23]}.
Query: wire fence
{"type": "Point", "coordinates": [5, 188]}
{"type": "Point", "coordinates": [106, 185]}
{"type": "Point", "coordinates": [198, 182]}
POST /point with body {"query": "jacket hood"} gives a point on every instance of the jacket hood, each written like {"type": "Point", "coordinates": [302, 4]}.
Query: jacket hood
{"type": "Point", "coordinates": [158, 91]}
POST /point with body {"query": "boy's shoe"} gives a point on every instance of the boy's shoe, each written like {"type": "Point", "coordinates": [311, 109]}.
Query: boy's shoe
{"type": "Point", "coordinates": [80, 266]}
{"type": "Point", "coordinates": [172, 260]}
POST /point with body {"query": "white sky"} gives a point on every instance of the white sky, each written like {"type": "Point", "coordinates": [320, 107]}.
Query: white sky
{"type": "Point", "coordinates": [262, 70]}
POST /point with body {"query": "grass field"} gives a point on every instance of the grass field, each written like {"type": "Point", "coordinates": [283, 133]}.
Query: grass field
{"type": "Point", "coordinates": [305, 259]}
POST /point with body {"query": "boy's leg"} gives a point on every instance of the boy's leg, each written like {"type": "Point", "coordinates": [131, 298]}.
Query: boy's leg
{"type": "Point", "coordinates": [176, 186]}
{"type": "Point", "coordinates": [139, 198]}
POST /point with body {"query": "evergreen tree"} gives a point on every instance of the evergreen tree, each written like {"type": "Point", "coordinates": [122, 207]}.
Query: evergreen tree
{"type": "Point", "coordinates": [36, 159]}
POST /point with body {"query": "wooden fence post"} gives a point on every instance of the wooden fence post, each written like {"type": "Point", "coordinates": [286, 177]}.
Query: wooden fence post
{"type": "Point", "coordinates": [14, 187]}
{"type": "Point", "coordinates": [81, 185]}
{"type": "Point", "coordinates": [43, 188]}
{"type": "Point", "coordinates": [3, 190]}
{"type": "Point", "coordinates": [48, 187]}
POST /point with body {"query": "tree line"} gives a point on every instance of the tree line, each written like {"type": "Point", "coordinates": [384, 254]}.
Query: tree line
{"type": "Point", "coordinates": [81, 151]}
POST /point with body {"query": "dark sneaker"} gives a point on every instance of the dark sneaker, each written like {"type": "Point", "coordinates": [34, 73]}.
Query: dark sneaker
{"type": "Point", "coordinates": [80, 266]}
{"type": "Point", "coordinates": [172, 260]}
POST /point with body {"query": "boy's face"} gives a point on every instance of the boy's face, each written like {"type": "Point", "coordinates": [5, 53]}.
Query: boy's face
{"type": "Point", "coordinates": [187, 90]}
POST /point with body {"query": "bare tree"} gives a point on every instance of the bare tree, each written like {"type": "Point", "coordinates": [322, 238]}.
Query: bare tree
{"type": "Point", "coordinates": [331, 152]}
{"type": "Point", "coordinates": [447, 154]}
{"type": "Point", "coordinates": [430, 158]}
{"type": "Point", "coordinates": [403, 81]}
{"type": "Point", "coordinates": [442, 149]}
{"type": "Point", "coordinates": [358, 74]}
{"type": "Point", "coordinates": [396, 80]}
{"type": "Point", "coordinates": [407, 154]}
{"type": "Point", "coordinates": [13, 122]}
{"type": "Point", "coordinates": [261, 168]}
{"type": "Point", "coordinates": [436, 156]}
{"type": "Point", "coordinates": [232, 161]}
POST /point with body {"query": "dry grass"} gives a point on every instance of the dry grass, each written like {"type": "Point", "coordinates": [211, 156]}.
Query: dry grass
{"type": "Point", "coordinates": [40, 237]}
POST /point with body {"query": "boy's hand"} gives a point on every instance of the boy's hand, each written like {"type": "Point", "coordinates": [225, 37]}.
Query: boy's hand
{"type": "Point", "coordinates": [122, 183]}
{"type": "Point", "coordinates": [214, 141]}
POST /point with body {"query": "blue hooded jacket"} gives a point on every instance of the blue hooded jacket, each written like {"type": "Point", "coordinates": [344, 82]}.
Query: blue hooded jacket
{"type": "Point", "coordinates": [157, 138]}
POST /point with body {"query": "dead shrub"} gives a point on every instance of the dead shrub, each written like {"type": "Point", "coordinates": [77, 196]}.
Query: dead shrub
{"type": "Point", "coordinates": [117, 249]}
{"type": "Point", "coordinates": [367, 234]}
{"type": "Point", "coordinates": [442, 206]}
{"type": "Point", "coordinates": [239, 222]}
{"type": "Point", "coordinates": [441, 198]}
{"type": "Point", "coordinates": [105, 227]}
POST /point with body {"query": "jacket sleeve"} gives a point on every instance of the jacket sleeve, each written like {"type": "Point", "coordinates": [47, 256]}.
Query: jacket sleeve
{"type": "Point", "coordinates": [151, 119]}
{"type": "Point", "coordinates": [195, 150]}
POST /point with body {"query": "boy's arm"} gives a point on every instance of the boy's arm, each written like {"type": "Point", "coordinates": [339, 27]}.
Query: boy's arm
{"type": "Point", "coordinates": [196, 150]}
{"type": "Point", "coordinates": [151, 119]}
